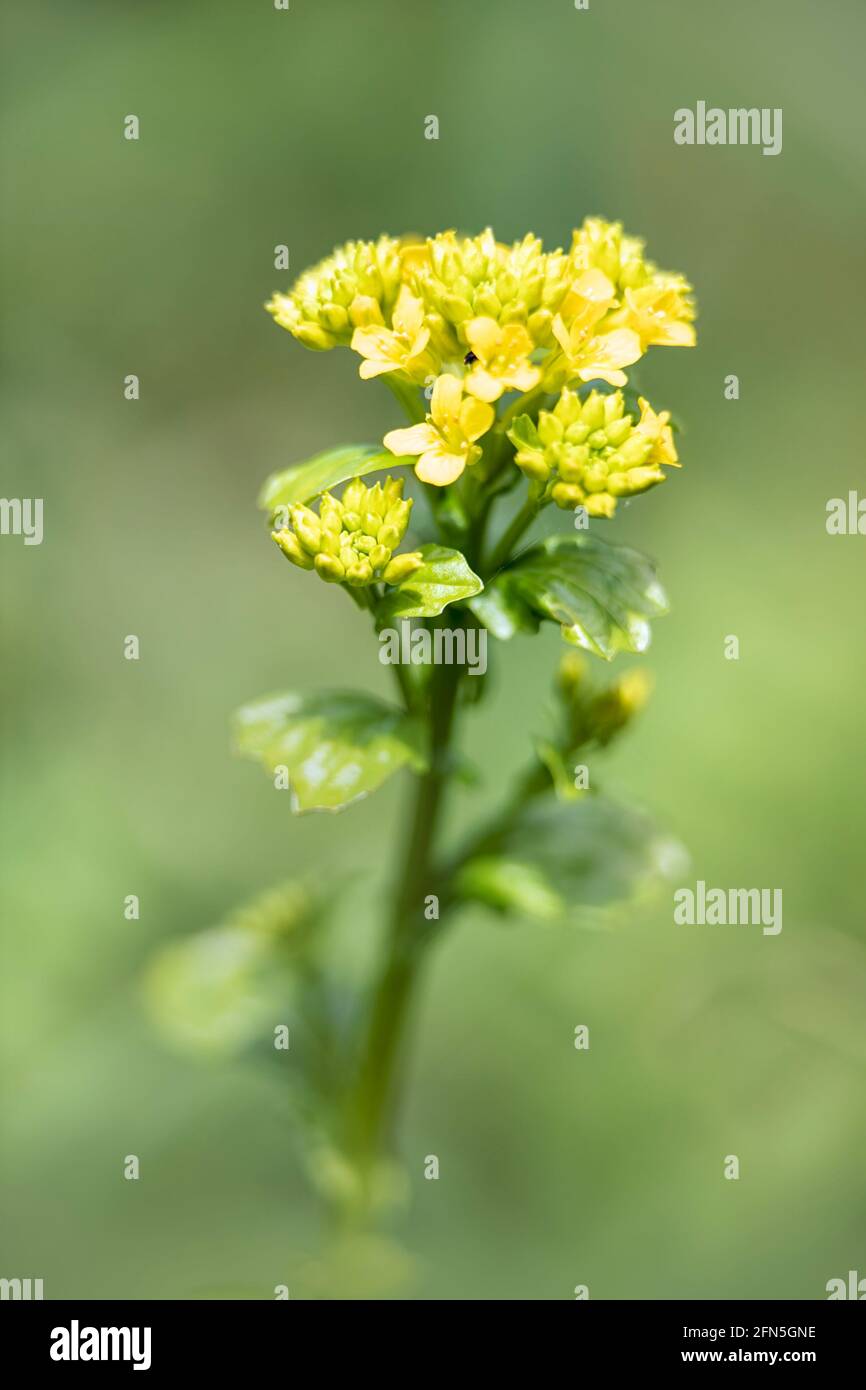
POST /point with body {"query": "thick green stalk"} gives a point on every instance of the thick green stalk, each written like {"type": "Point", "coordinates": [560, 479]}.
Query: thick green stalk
{"type": "Point", "coordinates": [409, 934]}
{"type": "Point", "coordinates": [371, 1107]}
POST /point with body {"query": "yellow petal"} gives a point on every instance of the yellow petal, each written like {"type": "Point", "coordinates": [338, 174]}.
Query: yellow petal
{"type": "Point", "coordinates": [594, 286]}
{"type": "Point", "coordinates": [561, 333]}
{"type": "Point", "coordinates": [372, 342]}
{"type": "Point", "coordinates": [678, 335]}
{"type": "Point", "coordinates": [439, 467]}
{"type": "Point", "coordinates": [525, 377]}
{"type": "Point", "coordinates": [414, 440]}
{"type": "Point", "coordinates": [483, 336]}
{"type": "Point", "coordinates": [597, 371]}
{"type": "Point", "coordinates": [445, 403]}
{"type": "Point", "coordinates": [408, 313]}
{"type": "Point", "coordinates": [371, 367]}
{"type": "Point", "coordinates": [606, 353]}
{"type": "Point", "coordinates": [418, 343]}
{"type": "Point", "coordinates": [483, 386]}
{"type": "Point", "coordinates": [475, 418]}
{"type": "Point", "coordinates": [515, 341]}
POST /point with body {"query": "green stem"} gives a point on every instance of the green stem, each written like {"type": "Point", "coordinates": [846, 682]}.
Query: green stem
{"type": "Point", "coordinates": [520, 522]}
{"type": "Point", "coordinates": [524, 405]}
{"type": "Point", "coordinates": [372, 1103]}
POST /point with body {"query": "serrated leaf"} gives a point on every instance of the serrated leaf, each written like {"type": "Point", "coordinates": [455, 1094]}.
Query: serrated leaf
{"type": "Point", "coordinates": [602, 595]}
{"type": "Point", "coordinates": [443, 578]}
{"type": "Point", "coordinates": [338, 746]}
{"type": "Point", "coordinates": [557, 860]}
{"type": "Point", "coordinates": [304, 481]}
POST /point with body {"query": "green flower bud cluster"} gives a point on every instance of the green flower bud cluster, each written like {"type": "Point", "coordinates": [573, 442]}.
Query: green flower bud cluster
{"type": "Point", "coordinates": [592, 452]}
{"type": "Point", "coordinates": [461, 279]}
{"type": "Point", "coordinates": [589, 716]}
{"type": "Point", "coordinates": [595, 714]}
{"type": "Point", "coordinates": [352, 540]}
{"type": "Point", "coordinates": [356, 286]}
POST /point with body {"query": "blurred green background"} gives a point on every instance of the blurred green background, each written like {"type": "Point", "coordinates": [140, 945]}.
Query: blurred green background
{"type": "Point", "coordinates": [306, 128]}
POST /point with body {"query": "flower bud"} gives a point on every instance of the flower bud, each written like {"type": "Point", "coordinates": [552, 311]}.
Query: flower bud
{"type": "Point", "coordinates": [487, 304]}
{"type": "Point", "coordinates": [334, 317]}
{"type": "Point", "coordinates": [402, 566]}
{"type": "Point", "coordinates": [353, 495]}
{"type": "Point", "coordinates": [292, 549]}
{"type": "Point", "coordinates": [464, 279]}
{"type": "Point", "coordinates": [307, 528]}
{"type": "Point", "coordinates": [594, 714]}
{"type": "Point", "coordinates": [329, 567]}
{"type": "Point", "coordinates": [352, 539]}
{"type": "Point", "coordinates": [359, 573]}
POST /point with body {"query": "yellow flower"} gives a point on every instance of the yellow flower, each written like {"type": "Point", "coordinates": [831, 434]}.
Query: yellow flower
{"type": "Point", "coordinates": [654, 303]}
{"type": "Point", "coordinates": [656, 428]}
{"type": "Point", "coordinates": [445, 442]}
{"type": "Point", "coordinates": [502, 359]}
{"type": "Point", "coordinates": [660, 313]}
{"type": "Point", "coordinates": [400, 347]}
{"type": "Point", "coordinates": [585, 353]}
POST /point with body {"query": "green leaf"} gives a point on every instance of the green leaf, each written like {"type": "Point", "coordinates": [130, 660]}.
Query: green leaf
{"type": "Point", "coordinates": [508, 885]}
{"type": "Point", "coordinates": [214, 992]}
{"type": "Point", "coordinates": [444, 578]}
{"type": "Point", "coordinates": [304, 481]}
{"type": "Point", "coordinates": [338, 746]}
{"type": "Point", "coordinates": [524, 434]}
{"type": "Point", "coordinates": [222, 989]}
{"type": "Point", "coordinates": [561, 861]}
{"type": "Point", "coordinates": [602, 595]}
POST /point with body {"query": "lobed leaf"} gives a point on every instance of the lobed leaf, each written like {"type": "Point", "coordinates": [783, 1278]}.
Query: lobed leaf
{"type": "Point", "coordinates": [304, 481]}
{"type": "Point", "coordinates": [338, 746]}
{"type": "Point", "coordinates": [444, 577]}
{"type": "Point", "coordinates": [602, 595]}
{"type": "Point", "coordinates": [558, 861]}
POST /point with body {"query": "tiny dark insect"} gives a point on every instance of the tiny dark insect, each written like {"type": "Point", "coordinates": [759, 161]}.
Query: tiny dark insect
{"type": "Point", "coordinates": [469, 358]}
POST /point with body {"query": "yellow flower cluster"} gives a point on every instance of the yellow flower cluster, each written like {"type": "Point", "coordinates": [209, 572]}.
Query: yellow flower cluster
{"type": "Point", "coordinates": [358, 284]}
{"type": "Point", "coordinates": [475, 318]}
{"type": "Point", "coordinates": [591, 452]}
{"type": "Point", "coordinates": [352, 539]}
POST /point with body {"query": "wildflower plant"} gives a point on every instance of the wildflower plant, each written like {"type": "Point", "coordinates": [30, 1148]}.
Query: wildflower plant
{"type": "Point", "coordinates": [511, 367]}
